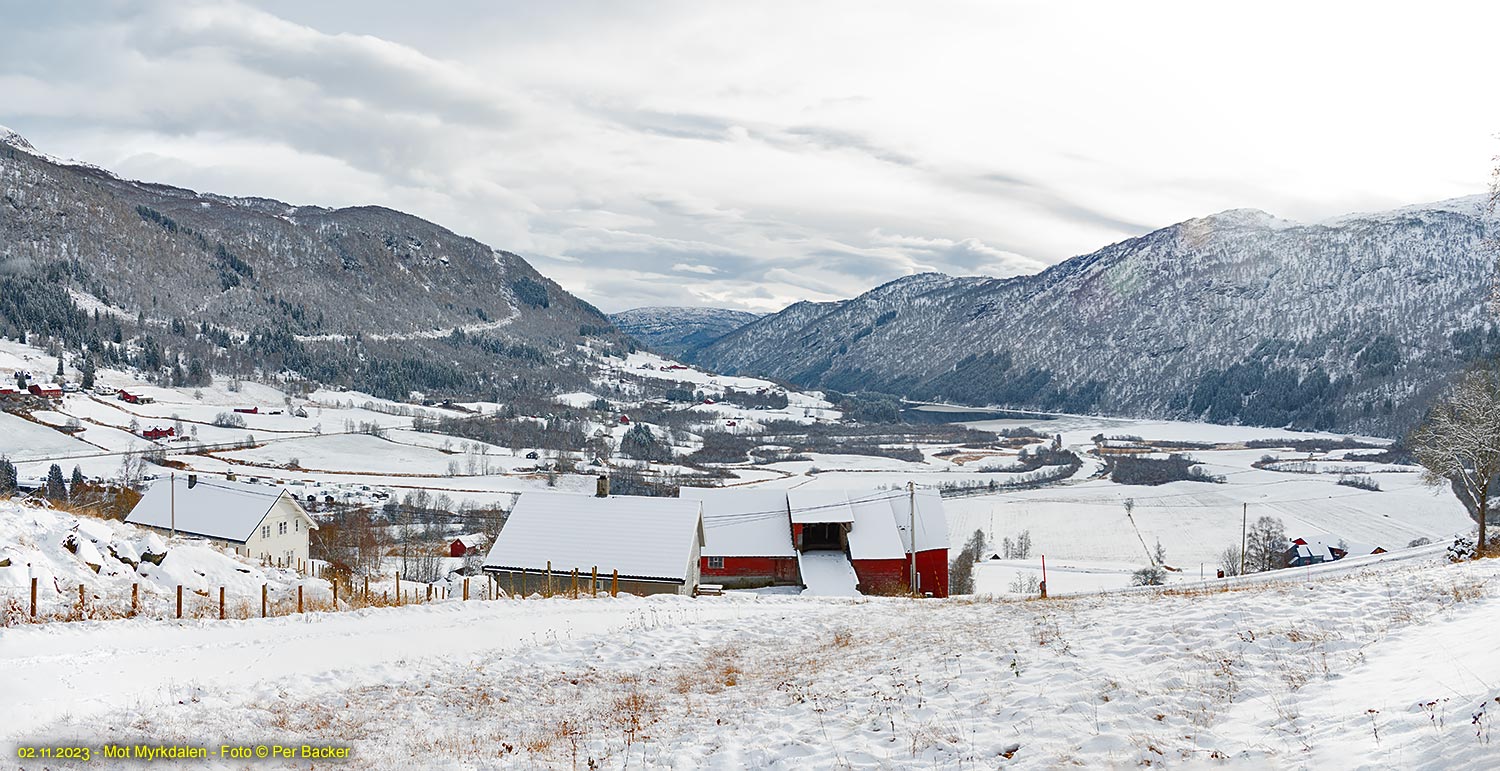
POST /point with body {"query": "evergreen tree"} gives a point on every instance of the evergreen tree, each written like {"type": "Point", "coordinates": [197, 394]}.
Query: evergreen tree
{"type": "Point", "coordinates": [77, 479]}
{"type": "Point", "coordinates": [57, 489]}
{"type": "Point", "coordinates": [59, 365]}
{"type": "Point", "coordinates": [88, 373]}
{"type": "Point", "coordinates": [7, 476]}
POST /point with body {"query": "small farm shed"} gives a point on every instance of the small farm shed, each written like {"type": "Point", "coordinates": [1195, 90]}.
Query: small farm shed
{"type": "Point", "coordinates": [747, 537]}
{"type": "Point", "coordinates": [46, 391]}
{"type": "Point", "coordinates": [258, 522]}
{"type": "Point", "coordinates": [654, 543]}
{"type": "Point", "coordinates": [464, 544]}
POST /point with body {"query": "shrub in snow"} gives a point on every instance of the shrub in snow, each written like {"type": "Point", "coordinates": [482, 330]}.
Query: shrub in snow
{"type": "Point", "coordinates": [1461, 549]}
{"type": "Point", "coordinates": [1149, 576]}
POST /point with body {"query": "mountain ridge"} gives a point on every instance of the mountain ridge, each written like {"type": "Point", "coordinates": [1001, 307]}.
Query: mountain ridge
{"type": "Point", "coordinates": [1237, 316]}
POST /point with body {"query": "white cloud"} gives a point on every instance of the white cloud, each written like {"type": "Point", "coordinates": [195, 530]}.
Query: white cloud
{"type": "Point", "coordinates": [754, 155]}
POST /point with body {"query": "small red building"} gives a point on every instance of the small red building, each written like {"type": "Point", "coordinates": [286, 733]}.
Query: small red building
{"type": "Point", "coordinates": [463, 545]}
{"type": "Point", "coordinates": [248, 410]}
{"type": "Point", "coordinates": [159, 433]}
{"type": "Point", "coordinates": [624, 420]}
{"type": "Point", "coordinates": [133, 398]}
{"type": "Point", "coordinates": [46, 390]}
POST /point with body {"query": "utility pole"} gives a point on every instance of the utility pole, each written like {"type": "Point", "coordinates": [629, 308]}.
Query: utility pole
{"type": "Point", "coordinates": [172, 497]}
{"type": "Point", "coordinates": [911, 489]}
{"type": "Point", "coordinates": [1244, 519]}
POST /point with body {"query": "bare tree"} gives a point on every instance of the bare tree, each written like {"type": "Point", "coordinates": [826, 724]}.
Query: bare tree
{"type": "Point", "coordinates": [1459, 442]}
{"type": "Point", "coordinates": [1230, 560]}
{"type": "Point", "coordinates": [1266, 545]}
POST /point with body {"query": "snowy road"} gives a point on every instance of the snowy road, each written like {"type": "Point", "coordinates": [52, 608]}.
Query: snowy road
{"type": "Point", "coordinates": [77, 669]}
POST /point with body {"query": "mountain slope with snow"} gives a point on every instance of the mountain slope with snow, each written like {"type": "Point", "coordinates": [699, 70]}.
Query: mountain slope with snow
{"type": "Point", "coordinates": [1235, 317]}
{"type": "Point", "coordinates": [673, 331]}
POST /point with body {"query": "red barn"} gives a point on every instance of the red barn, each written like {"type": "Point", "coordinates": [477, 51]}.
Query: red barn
{"type": "Point", "coordinates": [159, 433]}
{"type": "Point", "coordinates": [464, 544]}
{"type": "Point", "coordinates": [46, 390]}
{"type": "Point", "coordinates": [624, 420]}
{"type": "Point", "coordinates": [126, 396]}
{"type": "Point", "coordinates": [761, 537]}
{"type": "Point", "coordinates": [747, 542]}
{"type": "Point", "coordinates": [248, 410]}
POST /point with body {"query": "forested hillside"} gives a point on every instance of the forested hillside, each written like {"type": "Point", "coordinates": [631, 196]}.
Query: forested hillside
{"type": "Point", "coordinates": [1238, 317]}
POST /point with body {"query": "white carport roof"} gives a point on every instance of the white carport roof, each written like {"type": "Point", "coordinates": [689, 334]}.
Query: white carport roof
{"type": "Point", "coordinates": [641, 537]}
{"type": "Point", "coordinates": [214, 508]}
{"type": "Point", "coordinates": [744, 523]}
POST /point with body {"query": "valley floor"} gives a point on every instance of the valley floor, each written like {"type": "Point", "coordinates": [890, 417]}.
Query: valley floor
{"type": "Point", "coordinates": [1384, 665]}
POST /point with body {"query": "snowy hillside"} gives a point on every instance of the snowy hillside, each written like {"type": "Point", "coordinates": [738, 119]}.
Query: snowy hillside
{"type": "Point", "coordinates": [1376, 666]}
{"type": "Point", "coordinates": [673, 331]}
{"type": "Point", "coordinates": [1235, 317]}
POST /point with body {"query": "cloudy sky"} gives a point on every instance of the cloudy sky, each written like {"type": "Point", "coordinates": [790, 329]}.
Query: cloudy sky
{"type": "Point", "coordinates": [753, 154]}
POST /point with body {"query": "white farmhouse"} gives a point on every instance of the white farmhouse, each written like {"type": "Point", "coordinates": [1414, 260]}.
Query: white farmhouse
{"type": "Point", "coordinates": [257, 522]}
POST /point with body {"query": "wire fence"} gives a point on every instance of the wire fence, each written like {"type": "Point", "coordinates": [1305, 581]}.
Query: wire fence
{"type": "Point", "coordinates": [50, 601]}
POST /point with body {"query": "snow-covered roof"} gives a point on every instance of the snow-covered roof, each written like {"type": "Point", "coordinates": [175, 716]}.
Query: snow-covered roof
{"type": "Point", "coordinates": [472, 539]}
{"type": "Point", "coordinates": [213, 508]}
{"type": "Point", "coordinates": [874, 535]}
{"type": "Point", "coordinates": [744, 523]}
{"type": "Point", "coordinates": [644, 538]}
{"type": "Point", "coordinates": [932, 521]}
{"type": "Point", "coordinates": [809, 506]}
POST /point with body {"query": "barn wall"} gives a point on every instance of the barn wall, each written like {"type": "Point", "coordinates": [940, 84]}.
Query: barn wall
{"type": "Point", "coordinates": [932, 572]}
{"type": "Point", "coordinates": [536, 583]}
{"type": "Point", "coordinates": [882, 576]}
{"type": "Point", "coordinates": [751, 572]}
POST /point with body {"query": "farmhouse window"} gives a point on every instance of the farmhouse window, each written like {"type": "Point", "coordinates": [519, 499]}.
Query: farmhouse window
{"type": "Point", "coordinates": [716, 563]}
{"type": "Point", "coordinates": [281, 529]}
{"type": "Point", "coordinates": [265, 531]}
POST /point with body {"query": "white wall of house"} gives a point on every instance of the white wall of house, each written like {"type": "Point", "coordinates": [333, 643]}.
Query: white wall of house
{"type": "Point", "coordinates": [282, 535]}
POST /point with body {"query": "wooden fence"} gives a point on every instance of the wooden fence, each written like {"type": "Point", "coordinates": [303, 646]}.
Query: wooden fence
{"type": "Point", "coordinates": [346, 594]}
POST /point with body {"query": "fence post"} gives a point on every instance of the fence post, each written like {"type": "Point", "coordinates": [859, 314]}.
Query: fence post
{"type": "Point", "coordinates": [367, 590]}
{"type": "Point", "coordinates": [614, 584]}
{"type": "Point", "coordinates": [548, 593]}
{"type": "Point", "coordinates": [262, 600]}
{"type": "Point", "coordinates": [398, 587]}
{"type": "Point", "coordinates": [429, 593]}
{"type": "Point", "coordinates": [299, 598]}
{"type": "Point", "coordinates": [335, 584]}
{"type": "Point", "coordinates": [512, 585]}
{"type": "Point", "coordinates": [594, 582]}
{"type": "Point", "coordinates": [33, 596]}
{"type": "Point", "coordinates": [135, 598]}
{"type": "Point", "coordinates": [179, 600]}
{"type": "Point", "coordinates": [221, 603]}
{"type": "Point", "coordinates": [573, 590]}
{"type": "Point", "coordinates": [466, 589]}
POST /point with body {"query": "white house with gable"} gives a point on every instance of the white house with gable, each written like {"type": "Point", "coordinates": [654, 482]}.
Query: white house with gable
{"type": "Point", "coordinates": [256, 521]}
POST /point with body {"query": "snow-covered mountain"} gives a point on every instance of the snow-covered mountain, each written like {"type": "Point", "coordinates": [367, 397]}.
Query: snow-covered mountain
{"type": "Point", "coordinates": [674, 331]}
{"type": "Point", "coordinates": [364, 296]}
{"type": "Point", "coordinates": [1350, 323]}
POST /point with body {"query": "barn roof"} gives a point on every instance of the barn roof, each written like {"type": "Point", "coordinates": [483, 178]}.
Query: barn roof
{"type": "Point", "coordinates": [810, 506]}
{"type": "Point", "coordinates": [643, 538]}
{"type": "Point", "coordinates": [874, 535]}
{"type": "Point", "coordinates": [743, 523]}
{"type": "Point", "coordinates": [932, 521]}
{"type": "Point", "coordinates": [212, 508]}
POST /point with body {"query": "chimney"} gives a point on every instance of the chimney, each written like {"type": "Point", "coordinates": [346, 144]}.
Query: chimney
{"type": "Point", "coordinates": [192, 481]}
{"type": "Point", "coordinates": [602, 489]}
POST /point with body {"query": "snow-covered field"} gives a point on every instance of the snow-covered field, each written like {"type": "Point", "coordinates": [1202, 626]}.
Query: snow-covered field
{"type": "Point", "coordinates": [1379, 666]}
